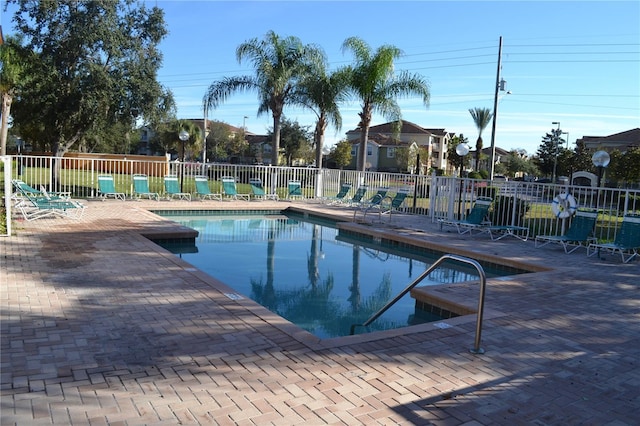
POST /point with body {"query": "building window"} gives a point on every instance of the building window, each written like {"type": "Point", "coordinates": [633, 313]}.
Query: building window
{"type": "Point", "coordinates": [369, 150]}
{"type": "Point", "coordinates": [353, 151]}
{"type": "Point", "coordinates": [391, 153]}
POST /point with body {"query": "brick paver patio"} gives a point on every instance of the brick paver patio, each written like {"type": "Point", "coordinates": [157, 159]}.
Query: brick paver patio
{"type": "Point", "coordinates": [102, 327]}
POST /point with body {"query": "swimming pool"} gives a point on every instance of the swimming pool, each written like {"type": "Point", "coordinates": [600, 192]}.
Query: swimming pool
{"type": "Point", "coordinates": [310, 273]}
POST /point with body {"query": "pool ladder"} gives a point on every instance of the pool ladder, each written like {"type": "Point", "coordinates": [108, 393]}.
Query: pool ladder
{"type": "Point", "coordinates": [483, 283]}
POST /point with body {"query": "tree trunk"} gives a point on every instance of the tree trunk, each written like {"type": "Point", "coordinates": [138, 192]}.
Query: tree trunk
{"type": "Point", "coordinates": [365, 122]}
{"type": "Point", "coordinates": [319, 140]}
{"type": "Point", "coordinates": [478, 152]}
{"type": "Point", "coordinates": [275, 157]}
{"type": "Point", "coordinates": [6, 110]}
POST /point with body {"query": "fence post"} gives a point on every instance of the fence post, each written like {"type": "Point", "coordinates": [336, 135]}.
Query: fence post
{"type": "Point", "coordinates": [319, 184]}
{"type": "Point", "coordinates": [7, 160]}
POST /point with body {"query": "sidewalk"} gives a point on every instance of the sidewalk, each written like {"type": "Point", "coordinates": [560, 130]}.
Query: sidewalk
{"type": "Point", "coordinates": [102, 327]}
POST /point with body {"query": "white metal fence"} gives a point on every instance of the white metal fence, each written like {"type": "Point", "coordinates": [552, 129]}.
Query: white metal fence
{"type": "Point", "coordinates": [526, 204]}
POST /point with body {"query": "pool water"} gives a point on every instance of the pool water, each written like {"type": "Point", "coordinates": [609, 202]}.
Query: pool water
{"type": "Point", "coordinates": [306, 272]}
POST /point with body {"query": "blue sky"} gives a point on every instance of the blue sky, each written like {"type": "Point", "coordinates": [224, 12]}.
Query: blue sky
{"type": "Point", "coordinates": [577, 63]}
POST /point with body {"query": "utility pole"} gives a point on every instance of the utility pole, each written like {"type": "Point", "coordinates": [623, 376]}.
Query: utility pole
{"type": "Point", "coordinates": [495, 112]}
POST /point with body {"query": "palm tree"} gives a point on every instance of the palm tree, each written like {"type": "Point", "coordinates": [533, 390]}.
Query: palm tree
{"type": "Point", "coordinates": [279, 64]}
{"type": "Point", "coordinates": [481, 117]}
{"type": "Point", "coordinates": [321, 92]}
{"type": "Point", "coordinates": [373, 81]}
{"type": "Point", "coordinates": [194, 143]}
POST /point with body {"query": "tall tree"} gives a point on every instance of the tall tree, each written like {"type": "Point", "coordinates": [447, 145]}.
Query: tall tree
{"type": "Point", "coordinates": [453, 158]}
{"type": "Point", "coordinates": [167, 139]}
{"type": "Point", "coordinates": [548, 152]}
{"type": "Point", "coordinates": [341, 154]}
{"type": "Point", "coordinates": [481, 118]}
{"type": "Point", "coordinates": [518, 162]}
{"type": "Point", "coordinates": [95, 66]}
{"type": "Point", "coordinates": [321, 92]}
{"type": "Point", "coordinates": [279, 65]}
{"type": "Point", "coordinates": [373, 81]}
{"type": "Point", "coordinates": [11, 75]}
{"type": "Point", "coordinates": [295, 140]}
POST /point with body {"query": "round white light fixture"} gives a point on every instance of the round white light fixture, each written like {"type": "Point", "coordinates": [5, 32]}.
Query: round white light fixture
{"type": "Point", "coordinates": [462, 149]}
{"type": "Point", "coordinates": [600, 159]}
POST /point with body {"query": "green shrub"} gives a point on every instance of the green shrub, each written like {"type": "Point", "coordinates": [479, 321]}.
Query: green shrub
{"type": "Point", "coordinates": [475, 175]}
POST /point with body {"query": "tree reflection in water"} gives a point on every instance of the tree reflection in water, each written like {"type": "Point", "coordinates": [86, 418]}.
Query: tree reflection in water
{"type": "Point", "coordinates": [312, 306]}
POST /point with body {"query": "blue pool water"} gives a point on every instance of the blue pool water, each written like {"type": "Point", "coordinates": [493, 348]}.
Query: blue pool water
{"type": "Point", "coordinates": [307, 272]}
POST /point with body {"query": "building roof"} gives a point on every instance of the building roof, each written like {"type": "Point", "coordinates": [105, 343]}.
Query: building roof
{"type": "Point", "coordinates": [499, 151]}
{"type": "Point", "coordinates": [407, 127]}
{"type": "Point", "coordinates": [626, 139]}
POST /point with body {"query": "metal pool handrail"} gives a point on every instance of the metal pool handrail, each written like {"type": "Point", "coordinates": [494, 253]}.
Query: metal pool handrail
{"type": "Point", "coordinates": [483, 283]}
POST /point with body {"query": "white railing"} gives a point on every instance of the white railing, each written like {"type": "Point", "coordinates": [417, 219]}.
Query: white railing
{"type": "Point", "coordinates": [525, 204]}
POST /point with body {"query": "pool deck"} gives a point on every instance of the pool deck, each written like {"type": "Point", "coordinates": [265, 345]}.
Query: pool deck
{"type": "Point", "coordinates": [102, 327]}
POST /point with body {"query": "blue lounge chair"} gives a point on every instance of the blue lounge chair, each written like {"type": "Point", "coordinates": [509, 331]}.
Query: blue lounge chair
{"type": "Point", "coordinates": [294, 190]}
{"type": "Point", "coordinates": [107, 188]}
{"type": "Point", "coordinates": [579, 234]}
{"type": "Point", "coordinates": [203, 191]}
{"type": "Point", "coordinates": [141, 188]}
{"type": "Point", "coordinates": [230, 190]}
{"type": "Point", "coordinates": [172, 188]}
{"type": "Point", "coordinates": [258, 192]}
{"type": "Point", "coordinates": [627, 240]}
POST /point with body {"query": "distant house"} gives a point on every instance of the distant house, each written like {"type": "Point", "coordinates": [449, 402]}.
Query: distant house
{"type": "Point", "coordinates": [622, 141]}
{"type": "Point", "coordinates": [485, 158]}
{"type": "Point", "coordinates": [383, 144]}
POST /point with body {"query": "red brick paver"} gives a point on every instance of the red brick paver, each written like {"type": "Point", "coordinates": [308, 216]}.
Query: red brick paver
{"type": "Point", "coordinates": [102, 327]}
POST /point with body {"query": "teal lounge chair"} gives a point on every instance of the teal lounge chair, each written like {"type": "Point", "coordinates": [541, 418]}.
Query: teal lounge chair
{"type": "Point", "coordinates": [258, 192]}
{"type": "Point", "coordinates": [230, 191]}
{"type": "Point", "coordinates": [141, 188]}
{"type": "Point", "coordinates": [172, 188]}
{"type": "Point", "coordinates": [373, 202]}
{"type": "Point", "coordinates": [294, 190]}
{"type": "Point", "coordinates": [579, 234]}
{"type": "Point", "coordinates": [627, 240]}
{"type": "Point", "coordinates": [203, 191]}
{"type": "Point", "coordinates": [376, 200]}
{"type": "Point", "coordinates": [397, 201]}
{"type": "Point", "coordinates": [339, 197]}
{"type": "Point", "coordinates": [107, 188]}
{"type": "Point", "coordinates": [476, 219]}
{"type": "Point", "coordinates": [22, 188]}
{"type": "Point", "coordinates": [358, 196]}
{"type": "Point", "coordinates": [40, 206]}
